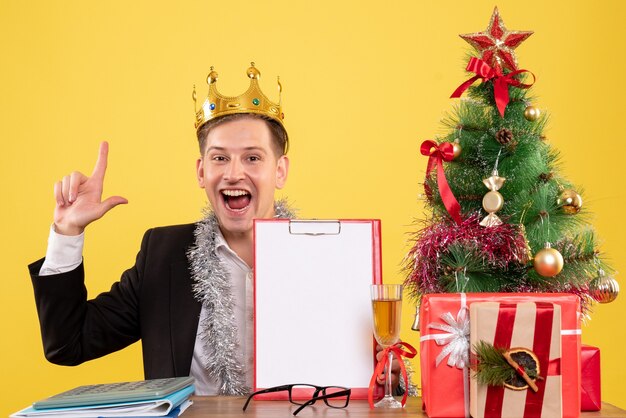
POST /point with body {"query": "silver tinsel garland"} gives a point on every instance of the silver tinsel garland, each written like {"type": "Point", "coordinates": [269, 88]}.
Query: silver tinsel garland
{"type": "Point", "coordinates": [412, 389]}
{"type": "Point", "coordinates": [212, 287]}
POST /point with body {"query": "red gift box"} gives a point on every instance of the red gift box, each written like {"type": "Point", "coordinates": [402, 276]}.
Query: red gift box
{"type": "Point", "coordinates": [534, 327]}
{"type": "Point", "coordinates": [591, 399]}
{"type": "Point", "coordinates": [444, 348]}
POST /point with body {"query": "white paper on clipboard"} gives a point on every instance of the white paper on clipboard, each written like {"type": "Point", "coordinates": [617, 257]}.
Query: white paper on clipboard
{"type": "Point", "coordinates": [312, 302]}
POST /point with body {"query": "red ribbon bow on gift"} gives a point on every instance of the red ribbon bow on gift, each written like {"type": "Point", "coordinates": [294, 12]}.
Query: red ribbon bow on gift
{"type": "Point", "coordinates": [437, 154]}
{"type": "Point", "coordinates": [501, 81]}
{"type": "Point", "coordinates": [397, 349]}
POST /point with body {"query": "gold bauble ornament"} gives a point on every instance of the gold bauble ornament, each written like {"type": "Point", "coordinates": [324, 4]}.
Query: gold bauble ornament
{"type": "Point", "coordinates": [532, 113]}
{"type": "Point", "coordinates": [456, 149]}
{"type": "Point", "coordinates": [548, 262]}
{"type": "Point", "coordinates": [604, 289]}
{"type": "Point", "coordinates": [570, 201]}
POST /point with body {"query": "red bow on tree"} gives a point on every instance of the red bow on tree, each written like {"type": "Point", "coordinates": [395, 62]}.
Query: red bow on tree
{"type": "Point", "coordinates": [436, 155]}
{"type": "Point", "coordinates": [501, 81]}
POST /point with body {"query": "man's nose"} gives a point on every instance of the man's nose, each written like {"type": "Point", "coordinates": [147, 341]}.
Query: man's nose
{"type": "Point", "coordinates": [234, 171]}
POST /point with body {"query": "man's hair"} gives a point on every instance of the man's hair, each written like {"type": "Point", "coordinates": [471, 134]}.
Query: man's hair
{"type": "Point", "coordinates": [277, 131]}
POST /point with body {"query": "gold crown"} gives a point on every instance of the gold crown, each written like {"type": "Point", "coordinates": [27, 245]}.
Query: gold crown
{"type": "Point", "coordinates": [252, 101]}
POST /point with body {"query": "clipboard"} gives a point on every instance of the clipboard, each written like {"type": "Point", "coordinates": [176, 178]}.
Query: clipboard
{"type": "Point", "coordinates": [312, 316]}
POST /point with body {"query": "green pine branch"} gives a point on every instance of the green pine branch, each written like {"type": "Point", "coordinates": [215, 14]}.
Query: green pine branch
{"type": "Point", "coordinates": [465, 270]}
{"type": "Point", "coordinates": [491, 367]}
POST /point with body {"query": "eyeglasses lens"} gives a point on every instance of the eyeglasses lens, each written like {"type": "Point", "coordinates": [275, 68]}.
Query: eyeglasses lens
{"type": "Point", "coordinates": [300, 394]}
{"type": "Point", "coordinates": [337, 401]}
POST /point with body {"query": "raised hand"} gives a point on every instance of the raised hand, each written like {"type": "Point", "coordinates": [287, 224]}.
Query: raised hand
{"type": "Point", "coordinates": [79, 198]}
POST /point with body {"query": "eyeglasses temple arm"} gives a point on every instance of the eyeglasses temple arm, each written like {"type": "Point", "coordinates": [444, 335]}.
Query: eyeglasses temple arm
{"type": "Point", "coordinates": [268, 390]}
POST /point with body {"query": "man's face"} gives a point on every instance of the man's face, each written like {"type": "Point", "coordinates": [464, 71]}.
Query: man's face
{"type": "Point", "coordinates": [240, 171]}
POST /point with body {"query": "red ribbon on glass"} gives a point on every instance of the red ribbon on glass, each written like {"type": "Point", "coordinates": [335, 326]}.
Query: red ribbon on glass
{"type": "Point", "coordinates": [436, 155]}
{"type": "Point", "coordinates": [399, 352]}
{"type": "Point", "coordinates": [501, 81]}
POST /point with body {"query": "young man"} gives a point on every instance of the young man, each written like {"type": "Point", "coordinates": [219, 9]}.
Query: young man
{"type": "Point", "coordinates": [189, 295]}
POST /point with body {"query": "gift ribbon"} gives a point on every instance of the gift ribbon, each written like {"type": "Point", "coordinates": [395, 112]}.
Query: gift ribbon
{"type": "Point", "coordinates": [541, 348]}
{"type": "Point", "coordinates": [436, 155]}
{"type": "Point", "coordinates": [399, 351]}
{"type": "Point", "coordinates": [501, 81]}
{"type": "Point", "coordinates": [554, 367]}
{"type": "Point", "coordinates": [456, 341]}
{"type": "Point", "coordinates": [571, 332]}
{"type": "Point", "coordinates": [502, 338]}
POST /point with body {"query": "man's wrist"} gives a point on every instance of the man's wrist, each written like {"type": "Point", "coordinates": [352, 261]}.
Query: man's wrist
{"type": "Point", "coordinates": [67, 230]}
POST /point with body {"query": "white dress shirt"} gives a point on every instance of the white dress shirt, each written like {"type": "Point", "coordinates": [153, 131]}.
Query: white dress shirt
{"type": "Point", "coordinates": [65, 253]}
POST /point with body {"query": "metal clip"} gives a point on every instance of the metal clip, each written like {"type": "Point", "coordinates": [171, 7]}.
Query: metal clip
{"type": "Point", "coordinates": [314, 227]}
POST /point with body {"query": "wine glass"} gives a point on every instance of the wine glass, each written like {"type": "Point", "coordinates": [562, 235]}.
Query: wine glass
{"type": "Point", "coordinates": [386, 311]}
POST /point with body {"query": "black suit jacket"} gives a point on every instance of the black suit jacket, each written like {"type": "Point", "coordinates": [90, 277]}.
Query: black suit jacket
{"type": "Point", "coordinates": [153, 301]}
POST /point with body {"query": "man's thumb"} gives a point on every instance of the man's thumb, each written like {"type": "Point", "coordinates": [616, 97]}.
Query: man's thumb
{"type": "Point", "coordinates": [112, 202]}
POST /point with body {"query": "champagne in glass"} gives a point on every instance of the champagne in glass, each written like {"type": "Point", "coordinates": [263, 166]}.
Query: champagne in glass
{"type": "Point", "coordinates": [387, 321]}
{"type": "Point", "coordinates": [386, 311]}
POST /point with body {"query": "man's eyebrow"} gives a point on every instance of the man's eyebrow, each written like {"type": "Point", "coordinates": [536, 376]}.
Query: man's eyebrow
{"type": "Point", "coordinates": [218, 148]}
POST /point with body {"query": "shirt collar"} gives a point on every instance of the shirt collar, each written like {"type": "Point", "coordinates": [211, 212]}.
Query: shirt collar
{"type": "Point", "coordinates": [222, 247]}
{"type": "Point", "coordinates": [220, 241]}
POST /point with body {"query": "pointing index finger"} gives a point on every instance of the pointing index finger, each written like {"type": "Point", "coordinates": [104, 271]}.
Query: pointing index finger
{"type": "Point", "coordinates": [101, 163]}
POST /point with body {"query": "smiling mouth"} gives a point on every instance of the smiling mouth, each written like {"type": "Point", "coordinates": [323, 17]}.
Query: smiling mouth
{"type": "Point", "coordinates": [236, 199]}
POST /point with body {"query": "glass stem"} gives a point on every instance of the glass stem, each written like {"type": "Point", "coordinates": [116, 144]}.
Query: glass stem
{"type": "Point", "coordinates": [388, 388]}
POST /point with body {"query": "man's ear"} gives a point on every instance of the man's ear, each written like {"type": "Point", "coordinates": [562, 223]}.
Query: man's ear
{"type": "Point", "coordinates": [200, 172]}
{"type": "Point", "coordinates": [282, 170]}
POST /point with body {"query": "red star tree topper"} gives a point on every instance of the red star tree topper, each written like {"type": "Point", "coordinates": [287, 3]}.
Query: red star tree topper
{"type": "Point", "coordinates": [496, 43]}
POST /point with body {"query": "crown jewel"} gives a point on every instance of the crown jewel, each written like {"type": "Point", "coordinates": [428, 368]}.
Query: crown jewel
{"type": "Point", "coordinates": [251, 101]}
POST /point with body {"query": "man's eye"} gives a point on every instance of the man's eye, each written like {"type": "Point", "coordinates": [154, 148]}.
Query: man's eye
{"type": "Point", "coordinates": [254, 158]}
{"type": "Point", "coordinates": [219, 158]}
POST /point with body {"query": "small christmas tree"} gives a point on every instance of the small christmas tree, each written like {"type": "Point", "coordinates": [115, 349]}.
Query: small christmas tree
{"type": "Point", "coordinates": [504, 218]}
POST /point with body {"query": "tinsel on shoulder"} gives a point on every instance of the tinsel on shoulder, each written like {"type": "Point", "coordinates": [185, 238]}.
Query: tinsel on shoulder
{"type": "Point", "coordinates": [503, 217]}
{"type": "Point", "coordinates": [213, 288]}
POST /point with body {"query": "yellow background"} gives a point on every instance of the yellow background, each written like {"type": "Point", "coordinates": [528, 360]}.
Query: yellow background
{"type": "Point", "coordinates": [364, 83]}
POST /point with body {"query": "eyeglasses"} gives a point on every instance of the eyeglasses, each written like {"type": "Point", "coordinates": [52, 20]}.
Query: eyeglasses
{"type": "Point", "coordinates": [333, 396]}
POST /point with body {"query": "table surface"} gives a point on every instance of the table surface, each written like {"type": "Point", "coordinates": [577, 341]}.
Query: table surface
{"type": "Point", "coordinates": [230, 406]}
